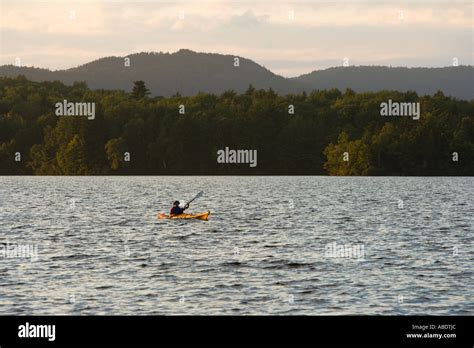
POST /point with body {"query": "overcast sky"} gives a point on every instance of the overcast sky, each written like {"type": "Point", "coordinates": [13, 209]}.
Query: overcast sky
{"type": "Point", "coordinates": [287, 38]}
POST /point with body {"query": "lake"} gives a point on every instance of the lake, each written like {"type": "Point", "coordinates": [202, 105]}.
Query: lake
{"type": "Point", "coordinates": [272, 245]}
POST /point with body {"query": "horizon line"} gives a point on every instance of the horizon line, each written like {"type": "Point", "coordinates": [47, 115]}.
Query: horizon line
{"type": "Point", "coordinates": [231, 55]}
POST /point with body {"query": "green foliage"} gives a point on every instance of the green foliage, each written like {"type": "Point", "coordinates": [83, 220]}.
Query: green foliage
{"type": "Point", "coordinates": [115, 149]}
{"type": "Point", "coordinates": [325, 125]}
{"type": "Point", "coordinates": [347, 157]}
{"type": "Point", "coordinates": [139, 90]}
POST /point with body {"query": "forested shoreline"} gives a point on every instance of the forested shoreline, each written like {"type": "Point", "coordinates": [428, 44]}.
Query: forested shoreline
{"type": "Point", "coordinates": [329, 132]}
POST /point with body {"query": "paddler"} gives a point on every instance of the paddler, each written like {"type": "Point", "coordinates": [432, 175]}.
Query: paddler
{"type": "Point", "coordinates": [176, 209]}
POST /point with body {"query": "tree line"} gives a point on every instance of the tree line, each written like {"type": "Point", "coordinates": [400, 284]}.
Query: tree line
{"type": "Point", "coordinates": [323, 132]}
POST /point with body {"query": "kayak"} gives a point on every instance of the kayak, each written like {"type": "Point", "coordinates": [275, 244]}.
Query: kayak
{"type": "Point", "coordinates": [202, 216]}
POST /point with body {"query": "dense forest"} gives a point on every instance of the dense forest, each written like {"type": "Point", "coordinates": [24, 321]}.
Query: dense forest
{"type": "Point", "coordinates": [323, 132]}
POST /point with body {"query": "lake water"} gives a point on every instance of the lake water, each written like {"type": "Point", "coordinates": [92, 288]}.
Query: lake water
{"type": "Point", "coordinates": [92, 245]}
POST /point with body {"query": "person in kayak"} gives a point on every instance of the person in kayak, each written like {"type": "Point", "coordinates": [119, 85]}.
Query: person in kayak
{"type": "Point", "coordinates": [176, 209]}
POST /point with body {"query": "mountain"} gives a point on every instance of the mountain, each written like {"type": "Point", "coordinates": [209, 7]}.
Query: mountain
{"type": "Point", "coordinates": [165, 74]}
{"type": "Point", "coordinates": [189, 72]}
{"type": "Point", "coordinates": [453, 81]}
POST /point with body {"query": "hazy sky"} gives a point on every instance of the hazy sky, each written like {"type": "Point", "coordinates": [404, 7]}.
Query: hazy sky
{"type": "Point", "coordinates": [287, 38]}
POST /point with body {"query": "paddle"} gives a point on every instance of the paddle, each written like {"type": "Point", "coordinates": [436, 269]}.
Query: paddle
{"type": "Point", "coordinates": [195, 197]}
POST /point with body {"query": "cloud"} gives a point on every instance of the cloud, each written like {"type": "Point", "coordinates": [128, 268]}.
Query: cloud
{"type": "Point", "coordinates": [247, 19]}
{"type": "Point", "coordinates": [429, 33]}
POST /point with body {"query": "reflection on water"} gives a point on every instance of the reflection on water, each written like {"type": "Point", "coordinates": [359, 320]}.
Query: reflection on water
{"type": "Point", "coordinates": [273, 245]}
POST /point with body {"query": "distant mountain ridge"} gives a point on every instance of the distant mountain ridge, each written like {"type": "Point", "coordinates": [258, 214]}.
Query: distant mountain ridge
{"type": "Point", "coordinates": [453, 81]}
{"type": "Point", "coordinates": [189, 72]}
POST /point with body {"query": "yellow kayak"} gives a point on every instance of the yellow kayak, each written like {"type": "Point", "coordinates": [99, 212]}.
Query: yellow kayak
{"type": "Point", "coordinates": [202, 216]}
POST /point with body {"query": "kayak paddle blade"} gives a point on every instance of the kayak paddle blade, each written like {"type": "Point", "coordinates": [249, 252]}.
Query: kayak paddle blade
{"type": "Point", "coordinates": [197, 196]}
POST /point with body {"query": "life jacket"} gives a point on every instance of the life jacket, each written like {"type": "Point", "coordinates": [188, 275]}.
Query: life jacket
{"type": "Point", "coordinates": [176, 210]}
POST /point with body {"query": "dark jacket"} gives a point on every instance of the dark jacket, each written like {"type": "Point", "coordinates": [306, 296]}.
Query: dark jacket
{"type": "Point", "coordinates": [176, 211]}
